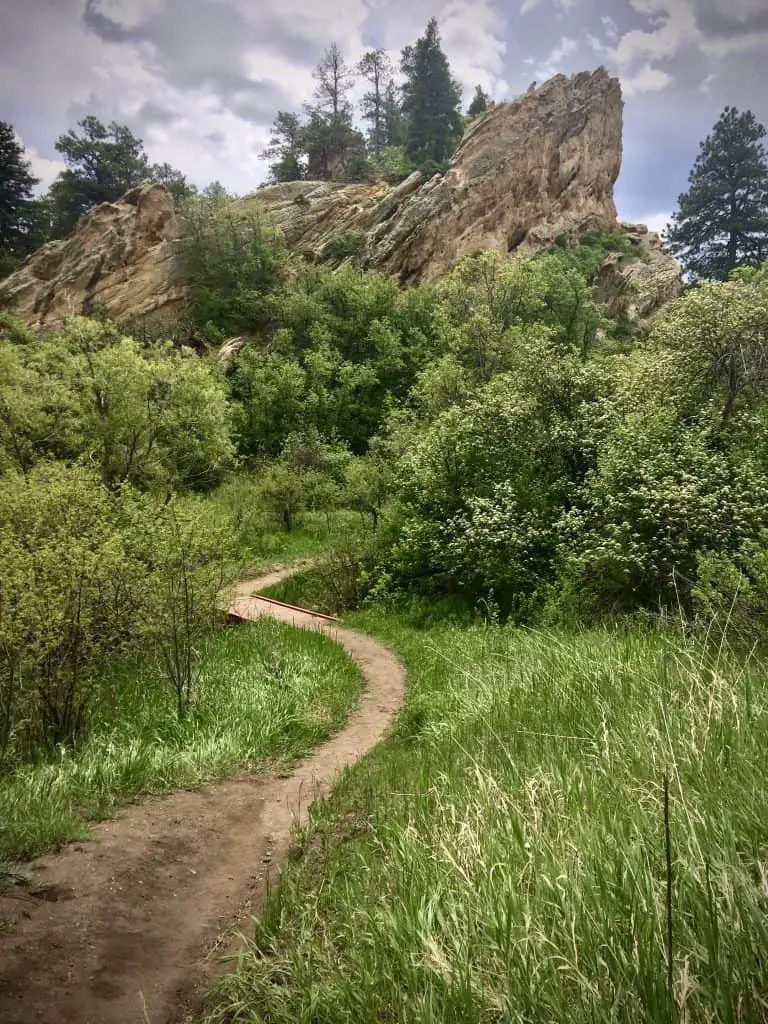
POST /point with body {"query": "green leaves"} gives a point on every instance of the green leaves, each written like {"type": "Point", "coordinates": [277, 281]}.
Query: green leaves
{"type": "Point", "coordinates": [155, 418]}
{"type": "Point", "coordinates": [90, 575]}
{"type": "Point", "coordinates": [431, 100]}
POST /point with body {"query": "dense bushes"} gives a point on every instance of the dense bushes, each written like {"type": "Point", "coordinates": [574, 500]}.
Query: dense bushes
{"type": "Point", "coordinates": [90, 576]}
{"type": "Point", "coordinates": [524, 454]}
{"type": "Point", "coordinates": [534, 451]}
{"type": "Point", "coordinates": [545, 470]}
{"type": "Point", "coordinates": [233, 259]}
{"type": "Point", "coordinates": [154, 417]}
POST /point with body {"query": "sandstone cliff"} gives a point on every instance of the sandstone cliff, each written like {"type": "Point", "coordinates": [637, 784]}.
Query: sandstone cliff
{"type": "Point", "coordinates": [537, 168]}
{"type": "Point", "coordinates": [121, 258]}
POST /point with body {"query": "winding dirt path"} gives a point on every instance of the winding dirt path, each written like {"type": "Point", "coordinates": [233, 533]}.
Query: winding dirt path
{"type": "Point", "coordinates": [130, 926]}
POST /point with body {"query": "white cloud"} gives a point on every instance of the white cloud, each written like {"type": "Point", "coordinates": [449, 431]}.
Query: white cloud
{"type": "Point", "coordinates": [706, 83]}
{"type": "Point", "coordinates": [647, 79]}
{"type": "Point", "coordinates": [129, 13]}
{"type": "Point", "coordinates": [740, 9]}
{"type": "Point", "coordinates": [473, 46]}
{"type": "Point", "coordinates": [43, 168]}
{"type": "Point", "coordinates": [675, 26]}
{"type": "Point", "coordinates": [549, 66]}
{"type": "Point", "coordinates": [754, 42]}
{"type": "Point", "coordinates": [610, 26]}
{"type": "Point", "coordinates": [656, 222]}
{"type": "Point", "coordinates": [529, 5]}
{"type": "Point", "coordinates": [598, 45]}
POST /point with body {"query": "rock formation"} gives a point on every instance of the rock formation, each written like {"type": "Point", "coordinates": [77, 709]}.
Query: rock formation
{"type": "Point", "coordinates": [540, 167]}
{"type": "Point", "coordinates": [654, 279]}
{"type": "Point", "coordinates": [120, 258]}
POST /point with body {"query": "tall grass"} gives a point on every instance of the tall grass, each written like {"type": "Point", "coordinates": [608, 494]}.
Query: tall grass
{"type": "Point", "coordinates": [266, 692]}
{"type": "Point", "coordinates": [503, 856]}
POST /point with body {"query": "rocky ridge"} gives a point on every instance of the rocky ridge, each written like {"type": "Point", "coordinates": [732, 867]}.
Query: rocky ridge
{"type": "Point", "coordinates": [538, 168]}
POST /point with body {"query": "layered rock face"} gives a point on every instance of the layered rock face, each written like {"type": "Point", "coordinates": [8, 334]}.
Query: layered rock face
{"type": "Point", "coordinates": [540, 167]}
{"type": "Point", "coordinates": [121, 258]}
{"type": "Point", "coordinates": [644, 288]}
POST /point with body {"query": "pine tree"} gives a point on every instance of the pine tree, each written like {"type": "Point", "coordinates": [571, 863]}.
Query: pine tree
{"type": "Point", "coordinates": [103, 163]}
{"type": "Point", "coordinates": [334, 80]}
{"type": "Point", "coordinates": [285, 148]}
{"type": "Point", "coordinates": [722, 221]}
{"type": "Point", "coordinates": [329, 137]}
{"type": "Point", "coordinates": [16, 204]}
{"type": "Point", "coordinates": [394, 122]}
{"type": "Point", "coordinates": [172, 179]}
{"type": "Point", "coordinates": [376, 68]}
{"type": "Point", "coordinates": [479, 102]}
{"type": "Point", "coordinates": [431, 100]}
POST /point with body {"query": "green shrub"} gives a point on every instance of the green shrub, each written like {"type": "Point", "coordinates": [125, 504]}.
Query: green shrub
{"type": "Point", "coordinates": [156, 418]}
{"type": "Point", "coordinates": [731, 593]}
{"type": "Point", "coordinates": [91, 575]}
{"type": "Point", "coordinates": [233, 261]}
{"type": "Point", "coordinates": [347, 246]}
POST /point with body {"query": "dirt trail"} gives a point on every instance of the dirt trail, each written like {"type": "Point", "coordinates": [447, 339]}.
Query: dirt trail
{"type": "Point", "coordinates": [130, 925]}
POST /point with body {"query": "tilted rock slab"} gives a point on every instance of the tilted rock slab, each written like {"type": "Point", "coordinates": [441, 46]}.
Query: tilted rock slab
{"type": "Point", "coordinates": [121, 258]}
{"type": "Point", "coordinates": [539, 168]}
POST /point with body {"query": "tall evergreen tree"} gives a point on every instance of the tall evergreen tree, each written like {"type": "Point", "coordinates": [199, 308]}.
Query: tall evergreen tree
{"type": "Point", "coordinates": [329, 137]}
{"type": "Point", "coordinates": [394, 122]}
{"type": "Point", "coordinates": [285, 148]}
{"type": "Point", "coordinates": [479, 102]}
{"type": "Point", "coordinates": [722, 220]}
{"type": "Point", "coordinates": [16, 204]}
{"type": "Point", "coordinates": [431, 100]}
{"type": "Point", "coordinates": [376, 68]}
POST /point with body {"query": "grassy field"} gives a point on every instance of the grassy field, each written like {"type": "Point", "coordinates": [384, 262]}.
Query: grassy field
{"type": "Point", "coordinates": [267, 692]}
{"type": "Point", "coordinates": [503, 857]}
{"type": "Point", "coordinates": [303, 589]}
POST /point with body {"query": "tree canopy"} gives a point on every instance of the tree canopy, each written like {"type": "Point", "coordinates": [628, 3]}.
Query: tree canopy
{"type": "Point", "coordinates": [479, 102]}
{"type": "Point", "coordinates": [431, 100]}
{"type": "Point", "coordinates": [416, 126]}
{"type": "Point", "coordinates": [722, 219]}
{"type": "Point", "coordinates": [17, 184]}
{"type": "Point", "coordinates": [103, 163]}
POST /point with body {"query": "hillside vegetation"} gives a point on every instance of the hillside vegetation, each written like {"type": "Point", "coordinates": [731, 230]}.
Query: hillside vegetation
{"type": "Point", "coordinates": [558, 521]}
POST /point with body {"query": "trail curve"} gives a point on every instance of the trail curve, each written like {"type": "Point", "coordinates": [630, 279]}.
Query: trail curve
{"type": "Point", "coordinates": [128, 927]}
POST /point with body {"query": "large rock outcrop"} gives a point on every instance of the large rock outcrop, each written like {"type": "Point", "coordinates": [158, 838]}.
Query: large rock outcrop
{"type": "Point", "coordinates": [539, 168]}
{"type": "Point", "coordinates": [121, 258]}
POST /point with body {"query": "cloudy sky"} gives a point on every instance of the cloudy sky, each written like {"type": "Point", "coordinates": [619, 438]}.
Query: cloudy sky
{"type": "Point", "coordinates": [201, 80]}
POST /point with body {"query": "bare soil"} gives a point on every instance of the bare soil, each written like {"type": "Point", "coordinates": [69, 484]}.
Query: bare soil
{"type": "Point", "coordinates": [133, 924]}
